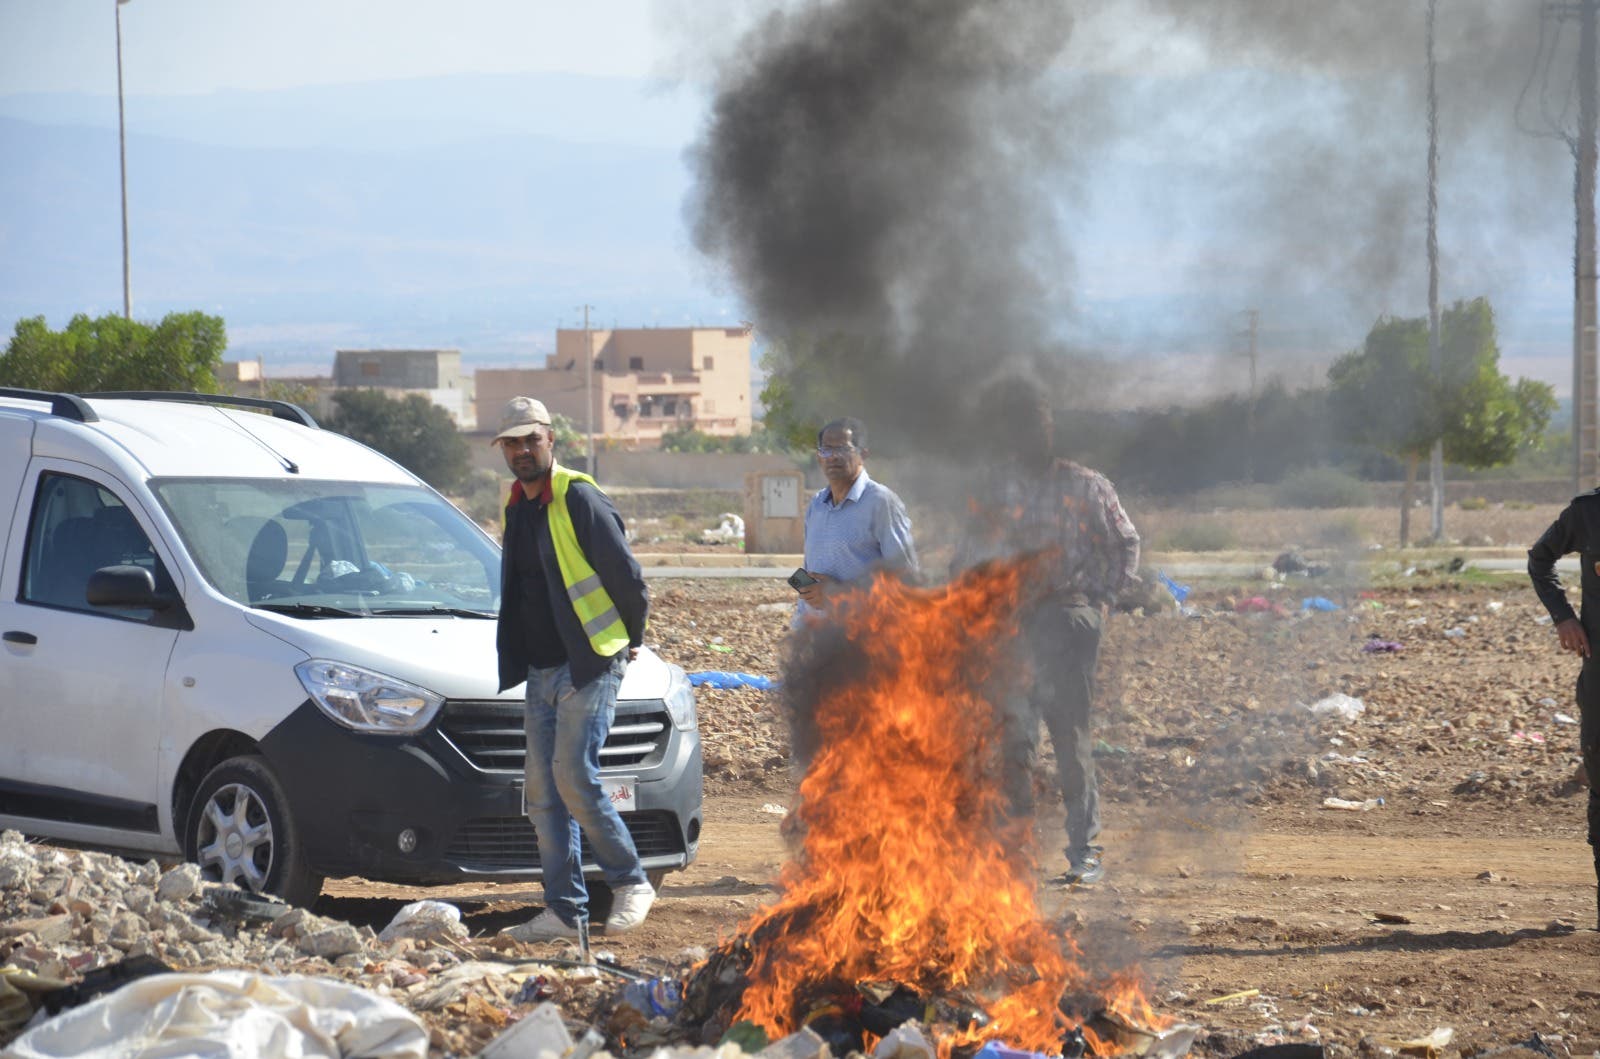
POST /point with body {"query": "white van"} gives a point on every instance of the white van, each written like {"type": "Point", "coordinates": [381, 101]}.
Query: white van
{"type": "Point", "coordinates": [262, 646]}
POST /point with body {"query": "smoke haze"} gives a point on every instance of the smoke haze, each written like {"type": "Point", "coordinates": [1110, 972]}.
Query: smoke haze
{"type": "Point", "coordinates": [902, 193]}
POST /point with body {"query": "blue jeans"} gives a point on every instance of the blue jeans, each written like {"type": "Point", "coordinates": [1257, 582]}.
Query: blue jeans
{"type": "Point", "coordinates": [565, 728]}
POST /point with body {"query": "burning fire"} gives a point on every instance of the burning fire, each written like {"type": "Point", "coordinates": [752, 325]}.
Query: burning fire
{"type": "Point", "coordinates": [910, 869]}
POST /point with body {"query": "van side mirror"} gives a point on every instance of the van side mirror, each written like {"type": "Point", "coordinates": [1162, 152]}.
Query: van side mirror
{"type": "Point", "coordinates": [126, 586]}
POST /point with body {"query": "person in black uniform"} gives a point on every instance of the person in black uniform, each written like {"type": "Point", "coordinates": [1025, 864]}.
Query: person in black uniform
{"type": "Point", "coordinates": [1577, 529]}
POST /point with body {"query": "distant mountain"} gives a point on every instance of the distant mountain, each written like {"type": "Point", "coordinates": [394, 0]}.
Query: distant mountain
{"type": "Point", "coordinates": [357, 224]}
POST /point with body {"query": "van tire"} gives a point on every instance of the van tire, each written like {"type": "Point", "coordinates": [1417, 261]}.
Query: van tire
{"type": "Point", "coordinates": [240, 830]}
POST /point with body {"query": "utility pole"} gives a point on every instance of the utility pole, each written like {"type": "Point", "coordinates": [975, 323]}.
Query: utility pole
{"type": "Point", "coordinates": [122, 152]}
{"type": "Point", "coordinates": [588, 388]}
{"type": "Point", "coordinates": [1435, 355]}
{"type": "Point", "coordinates": [1585, 434]}
{"type": "Point", "coordinates": [1250, 408]}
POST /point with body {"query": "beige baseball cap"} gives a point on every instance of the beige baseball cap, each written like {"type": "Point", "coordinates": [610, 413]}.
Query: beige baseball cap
{"type": "Point", "coordinates": [521, 415]}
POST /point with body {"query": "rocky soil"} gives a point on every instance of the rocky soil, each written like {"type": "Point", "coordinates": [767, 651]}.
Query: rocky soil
{"type": "Point", "coordinates": [1460, 907]}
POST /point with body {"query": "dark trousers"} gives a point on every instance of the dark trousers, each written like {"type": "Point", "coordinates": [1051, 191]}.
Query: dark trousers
{"type": "Point", "coordinates": [1589, 744]}
{"type": "Point", "coordinates": [1062, 650]}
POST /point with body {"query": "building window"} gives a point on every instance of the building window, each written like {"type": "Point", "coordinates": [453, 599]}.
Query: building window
{"type": "Point", "coordinates": [669, 407]}
{"type": "Point", "coordinates": [708, 363]}
{"type": "Point", "coordinates": [599, 364]}
{"type": "Point", "coordinates": [371, 369]}
{"type": "Point", "coordinates": [635, 363]}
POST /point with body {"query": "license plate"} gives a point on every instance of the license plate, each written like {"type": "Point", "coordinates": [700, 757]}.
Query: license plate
{"type": "Point", "coordinates": [624, 793]}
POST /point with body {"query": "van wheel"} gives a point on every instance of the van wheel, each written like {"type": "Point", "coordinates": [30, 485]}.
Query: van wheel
{"type": "Point", "coordinates": [240, 832]}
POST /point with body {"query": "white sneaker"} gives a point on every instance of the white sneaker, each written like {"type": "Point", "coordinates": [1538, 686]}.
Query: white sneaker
{"type": "Point", "coordinates": [545, 926]}
{"type": "Point", "coordinates": [629, 906]}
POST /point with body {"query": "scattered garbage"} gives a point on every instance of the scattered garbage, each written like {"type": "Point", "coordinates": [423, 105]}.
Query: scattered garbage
{"type": "Point", "coordinates": [1345, 706]}
{"type": "Point", "coordinates": [1288, 1050]}
{"type": "Point", "coordinates": [1349, 805]}
{"type": "Point", "coordinates": [729, 531]}
{"type": "Point", "coordinates": [231, 1013]}
{"type": "Point", "coordinates": [539, 1032]}
{"type": "Point", "coordinates": [1562, 718]}
{"type": "Point", "coordinates": [1253, 605]}
{"type": "Point", "coordinates": [1456, 632]}
{"type": "Point", "coordinates": [721, 679]}
{"type": "Point", "coordinates": [654, 997]}
{"type": "Point", "coordinates": [1494, 606]}
{"type": "Point", "coordinates": [907, 1042]}
{"type": "Point", "coordinates": [1322, 603]}
{"type": "Point", "coordinates": [1377, 646]}
{"type": "Point", "coordinates": [1543, 619]}
{"type": "Point", "coordinates": [1527, 737]}
{"type": "Point", "coordinates": [1179, 592]}
{"type": "Point", "coordinates": [434, 920]}
{"type": "Point", "coordinates": [1431, 1045]}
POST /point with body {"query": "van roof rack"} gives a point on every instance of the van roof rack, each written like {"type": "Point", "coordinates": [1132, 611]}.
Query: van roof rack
{"type": "Point", "coordinates": [279, 409]}
{"type": "Point", "coordinates": [65, 405]}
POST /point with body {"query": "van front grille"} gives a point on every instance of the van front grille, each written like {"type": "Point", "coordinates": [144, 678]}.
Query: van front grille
{"type": "Point", "coordinates": [507, 843]}
{"type": "Point", "coordinates": [489, 734]}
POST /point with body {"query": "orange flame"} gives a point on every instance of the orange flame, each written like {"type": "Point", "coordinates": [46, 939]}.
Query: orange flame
{"type": "Point", "coordinates": [910, 868]}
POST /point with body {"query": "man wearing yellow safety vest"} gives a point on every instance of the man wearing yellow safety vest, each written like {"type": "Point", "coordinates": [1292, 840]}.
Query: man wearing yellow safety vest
{"type": "Point", "coordinates": [572, 615]}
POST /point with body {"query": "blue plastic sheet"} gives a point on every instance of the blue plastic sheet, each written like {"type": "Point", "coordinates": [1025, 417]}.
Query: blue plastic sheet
{"type": "Point", "coordinates": [1318, 603]}
{"type": "Point", "coordinates": [717, 678]}
{"type": "Point", "coordinates": [1179, 592]}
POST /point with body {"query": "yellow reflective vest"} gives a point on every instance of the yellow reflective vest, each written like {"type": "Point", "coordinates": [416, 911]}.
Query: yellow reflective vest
{"type": "Point", "coordinates": [589, 598]}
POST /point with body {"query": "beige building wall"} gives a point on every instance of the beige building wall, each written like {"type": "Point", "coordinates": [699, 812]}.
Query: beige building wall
{"type": "Point", "coordinates": [645, 382]}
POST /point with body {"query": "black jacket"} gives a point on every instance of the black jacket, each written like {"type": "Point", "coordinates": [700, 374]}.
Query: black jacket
{"type": "Point", "coordinates": [605, 545]}
{"type": "Point", "coordinates": [1576, 529]}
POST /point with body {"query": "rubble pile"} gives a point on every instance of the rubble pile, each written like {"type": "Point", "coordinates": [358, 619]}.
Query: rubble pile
{"type": "Point", "coordinates": [74, 916]}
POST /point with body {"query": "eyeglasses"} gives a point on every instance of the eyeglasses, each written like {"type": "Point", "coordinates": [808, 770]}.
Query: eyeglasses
{"type": "Point", "coordinates": [829, 451]}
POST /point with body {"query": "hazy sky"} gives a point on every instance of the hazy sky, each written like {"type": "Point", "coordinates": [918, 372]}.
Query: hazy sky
{"type": "Point", "coordinates": [196, 46]}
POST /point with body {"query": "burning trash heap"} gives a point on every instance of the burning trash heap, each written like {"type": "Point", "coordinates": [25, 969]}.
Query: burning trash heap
{"type": "Point", "coordinates": [911, 892]}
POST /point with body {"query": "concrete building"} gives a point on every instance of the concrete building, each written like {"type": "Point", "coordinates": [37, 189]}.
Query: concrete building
{"type": "Point", "coordinates": [646, 381]}
{"type": "Point", "coordinates": [433, 373]}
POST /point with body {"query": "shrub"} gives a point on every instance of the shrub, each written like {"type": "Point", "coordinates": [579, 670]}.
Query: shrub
{"type": "Point", "coordinates": [1473, 503]}
{"type": "Point", "coordinates": [1199, 537]}
{"type": "Point", "coordinates": [483, 498]}
{"type": "Point", "coordinates": [1321, 487]}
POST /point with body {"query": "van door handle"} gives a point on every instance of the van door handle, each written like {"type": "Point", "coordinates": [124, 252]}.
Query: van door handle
{"type": "Point", "coordinates": [19, 637]}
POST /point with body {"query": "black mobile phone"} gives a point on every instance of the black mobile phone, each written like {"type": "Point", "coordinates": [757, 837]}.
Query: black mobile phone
{"type": "Point", "coordinates": [800, 579]}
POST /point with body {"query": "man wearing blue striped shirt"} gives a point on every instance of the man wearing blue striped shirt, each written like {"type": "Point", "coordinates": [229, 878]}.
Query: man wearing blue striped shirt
{"type": "Point", "coordinates": [855, 526]}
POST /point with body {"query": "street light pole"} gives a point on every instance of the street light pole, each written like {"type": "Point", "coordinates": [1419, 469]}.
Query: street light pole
{"type": "Point", "coordinates": [122, 151]}
{"type": "Point", "coordinates": [588, 389]}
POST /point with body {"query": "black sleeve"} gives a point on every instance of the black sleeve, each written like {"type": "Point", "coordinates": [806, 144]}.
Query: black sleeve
{"type": "Point", "coordinates": [605, 543]}
{"type": "Point", "coordinates": [1555, 542]}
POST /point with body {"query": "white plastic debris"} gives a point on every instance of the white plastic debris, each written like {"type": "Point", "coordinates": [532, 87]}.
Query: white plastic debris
{"type": "Point", "coordinates": [426, 919]}
{"type": "Point", "coordinates": [729, 530]}
{"type": "Point", "coordinates": [1455, 633]}
{"type": "Point", "coordinates": [806, 1044]}
{"type": "Point", "coordinates": [1349, 805]}
{"type": "Point", "coordinates": [1346, 706]}
{"type": "Point", "coordinates": [231, 1013]}
{"type": "Point", "coordinates": [1543, 619]}
{"type": "Point", "coordinates": [1562, 718]}
{"type": "Point", "coordinates": [538, 1033]}
{"type": "Point", "coordinates": [905, 1041]}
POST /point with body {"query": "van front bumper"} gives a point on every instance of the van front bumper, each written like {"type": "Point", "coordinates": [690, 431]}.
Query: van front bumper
{"type": "Point", "coordinates": [445, 804]}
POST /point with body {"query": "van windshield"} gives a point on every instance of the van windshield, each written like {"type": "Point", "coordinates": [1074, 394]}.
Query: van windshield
{"type": "Point", "coordinates": [321, 549]}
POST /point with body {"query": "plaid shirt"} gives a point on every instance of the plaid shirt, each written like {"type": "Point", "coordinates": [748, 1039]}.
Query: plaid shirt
{"type": "Point", "coordinates": [1073, 513]}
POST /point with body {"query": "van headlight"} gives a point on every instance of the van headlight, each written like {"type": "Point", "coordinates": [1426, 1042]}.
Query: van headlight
{"type": "Point", "coordinates": [367, 701]}
{"type": "Point", "coordinates": [680, 699]}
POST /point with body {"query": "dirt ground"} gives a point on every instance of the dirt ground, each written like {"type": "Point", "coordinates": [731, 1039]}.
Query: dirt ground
{"type": "Point", "coordinates": [1466, 901]}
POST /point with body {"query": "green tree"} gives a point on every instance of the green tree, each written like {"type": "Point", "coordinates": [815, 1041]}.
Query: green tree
{"type": "Point", "coordinates": [411, 430]}
{"type": "Point", "coordinates": [1385, 395]}
{"type": "Point", "coordinates": [181, 352]}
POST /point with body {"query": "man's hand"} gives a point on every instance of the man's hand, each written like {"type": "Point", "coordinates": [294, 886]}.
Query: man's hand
{"type": "Point", "coordinates": [814, 594]}
{"type": "Point", "coordinates": [633, 653]}
{"type": "Point", "coordinates": [1572, 637]}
